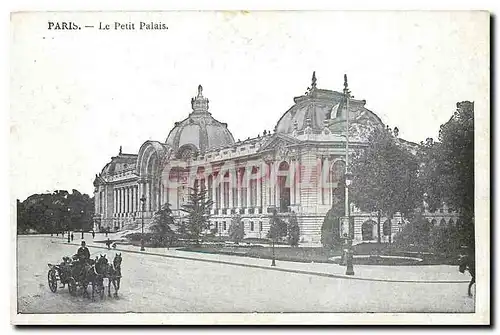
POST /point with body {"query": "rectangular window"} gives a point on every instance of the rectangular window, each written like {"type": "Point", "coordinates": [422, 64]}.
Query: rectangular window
{"type": "Point", "coordinates": [224, 225]}
{"type": "Point", "coordinates": [251, 226]}
{"type": "Point", "coordinates": [216, 225]}
{"type": "Point", "coordinates": [260, 226]}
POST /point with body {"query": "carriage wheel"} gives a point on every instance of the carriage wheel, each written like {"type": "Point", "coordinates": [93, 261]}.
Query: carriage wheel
{"type": "Point", "coordinates": [52, 279]}
{"type": "Point", "coordinates": [72, 286]}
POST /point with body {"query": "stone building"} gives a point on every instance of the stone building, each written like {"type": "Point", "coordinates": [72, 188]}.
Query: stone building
{"type": "Point", "coordinates": [297, 168]}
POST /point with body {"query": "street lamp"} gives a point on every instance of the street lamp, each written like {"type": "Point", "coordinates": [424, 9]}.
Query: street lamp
{"type": "Point", "coordinates": [349, 254]}
{"type": "Point", "coordinates": [348, 181]}
{"type": "Point", "coordinates": [81, 218]}
{"type": "Point", "coordinates": [272, 227]}
{"type": "Point", "coordinates": [143, 203]}
{"type": "Point", "coordinates": [69, 224]}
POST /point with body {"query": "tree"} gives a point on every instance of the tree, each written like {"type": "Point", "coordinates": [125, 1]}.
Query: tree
{"type": "Point", "coordinates": [330, 230]}
{"type": "Point", "coordinates": [448, 169]}
{"type": "Point", "coordinates": [278, 227]}
{"type": "Point", "coordinates": [236, 229]}
{"type": "Point", "coordinates": [55, 212]}
{"type": "Point", "coordinates": [293, 230]}
{"type": "Point", "coordinates": [163, 221]}
{"type": "Point", "coordinates": [385, 177]}
{"type": "Point", "coordinates": [416, 232]}
{"type": "Point", "coordinates": [198, 212]}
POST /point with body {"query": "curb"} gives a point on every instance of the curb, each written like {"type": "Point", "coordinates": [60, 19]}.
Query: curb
{"type": "Point", "coordinates": [305, 272]}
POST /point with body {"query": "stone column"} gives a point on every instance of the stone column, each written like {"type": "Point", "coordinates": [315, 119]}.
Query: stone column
{"type": "Point", "coordinates": [292, 181]}
{"type": "Point", "coordinates": [119, 197]}
{"type": "Point", "coordinates": [298, 176]}
{"type": "Point", "coordinates": [259, 187]}
{"type": "Point", "coordinates": [276, 188]}
{"type": "Point", "coordinates": [265, 187]}
{"type": "Point", "coordinates": [214, 198]}
{"type": "Point", "coordinates": [115, 197]}
{"type": "Point", "coordinates": [147, 196]}
{"type": "Point", "coordinates": [122, 198]}
{"type": "Point", "coordinates": [132, 199]}
{"type": "Point", "coordinates": [222, 197]}
{"type": "Point", "coordinates": [247, 183]}
{"type": "Point", "coordinates": [127, 198]}
{"type": "Point", "coordinates": [319, 165]}
{"type": "Point", "coordinates": [230, 190]}
{"type": "Point", "coordinates": [238, 187]}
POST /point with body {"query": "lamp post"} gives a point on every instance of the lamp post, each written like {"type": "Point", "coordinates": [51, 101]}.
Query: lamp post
{"type": "Point", "coordinates": [81, 218]}
{"type": "Point", "coordinates": [143, 205]}
{"type": "Point", "coordinates": [348, 180]}
{"type": "Point", "coordinates": [272, 228]}
{"type": "Point", "coordinates": [69, 224]}
{"type": "Point", "coordinates": [273, 263]}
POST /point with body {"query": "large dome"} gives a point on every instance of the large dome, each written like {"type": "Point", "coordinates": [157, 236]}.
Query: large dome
{"type": "Point", "coordinates": [318, 108]}
{"type": "Point", "coordinates": [199, 132]}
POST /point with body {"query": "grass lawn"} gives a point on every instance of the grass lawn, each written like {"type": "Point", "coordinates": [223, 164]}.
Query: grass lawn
{"type": "Point", "coordinates": [322, 255]}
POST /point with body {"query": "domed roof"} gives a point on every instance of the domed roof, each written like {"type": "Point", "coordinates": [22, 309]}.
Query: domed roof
{"type": "Point", "coordinates": [199, 131]}
{"type": "Point", "coordinates": [319, 108]}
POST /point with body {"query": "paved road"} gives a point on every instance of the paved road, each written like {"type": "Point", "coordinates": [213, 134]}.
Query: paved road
{"type": "Point", "coordinates": [159, 284]}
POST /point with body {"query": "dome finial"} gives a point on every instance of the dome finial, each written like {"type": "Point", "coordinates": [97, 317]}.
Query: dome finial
{"type": "Point", "coordinates": [313, 81]}
{"type": "Point", "coordinates": [199, 103]}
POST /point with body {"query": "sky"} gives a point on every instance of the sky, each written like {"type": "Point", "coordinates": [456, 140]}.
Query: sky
{"type": "Point", "coordinates": [77, 96]}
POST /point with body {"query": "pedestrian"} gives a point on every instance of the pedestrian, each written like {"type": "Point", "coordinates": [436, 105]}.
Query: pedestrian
{"type": "Point", "coordinates": [93, 234]}
{"type": "Point", "coordinates": [57, 233]}
{"type": "Point", "coordinates": [72, 237]}
{"type": "Point", "coordinates": [108, 243]}
{"type": "Point", "coordinates": [106, 233]}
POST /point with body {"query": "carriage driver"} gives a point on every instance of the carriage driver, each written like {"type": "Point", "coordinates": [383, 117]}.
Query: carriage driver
{"type": "Point", "coordinates": [83, 253]}
{"type": "Point", "coordinates": [83, 257]}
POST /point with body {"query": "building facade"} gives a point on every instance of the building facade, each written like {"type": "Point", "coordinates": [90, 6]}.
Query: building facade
{"type": "Point", "coordinates": [298, 168]}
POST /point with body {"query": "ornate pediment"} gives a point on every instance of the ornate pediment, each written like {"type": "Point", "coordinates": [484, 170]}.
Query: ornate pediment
{"type": "Point", "coordinates": [279, 142]}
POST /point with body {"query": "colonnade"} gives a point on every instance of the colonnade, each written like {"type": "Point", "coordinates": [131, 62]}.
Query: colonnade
{"type": "Point", "coordinates": [126, 199]}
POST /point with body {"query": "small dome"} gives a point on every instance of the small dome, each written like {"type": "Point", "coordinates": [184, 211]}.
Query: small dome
{"type": "Point", "coordinates": [199, 132]}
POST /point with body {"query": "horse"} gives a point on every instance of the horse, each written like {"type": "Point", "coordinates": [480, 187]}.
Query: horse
{"type": "Point", "coordinates": [93, 273]}
{"type": "Point", "coordinates": [468, 263]}
{"type": "Point", "coordinates": [114, 274]}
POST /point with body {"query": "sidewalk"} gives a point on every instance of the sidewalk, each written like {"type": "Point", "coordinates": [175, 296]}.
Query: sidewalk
{"type": "Point", "coordinates": [444, 274]}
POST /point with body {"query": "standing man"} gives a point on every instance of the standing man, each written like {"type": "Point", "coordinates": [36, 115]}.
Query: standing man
{"type": "Point", "coordinates": [93, 234]}
{"type": "Point", "coordinates": [72, 237]}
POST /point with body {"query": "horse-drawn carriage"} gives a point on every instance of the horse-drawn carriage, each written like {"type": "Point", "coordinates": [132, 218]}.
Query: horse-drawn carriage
{"type": "Point", "coordinates": [77, 273]}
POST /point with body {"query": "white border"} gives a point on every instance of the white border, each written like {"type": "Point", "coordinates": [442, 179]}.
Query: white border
{"type": "Point", "coordinates": [482, 186]}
